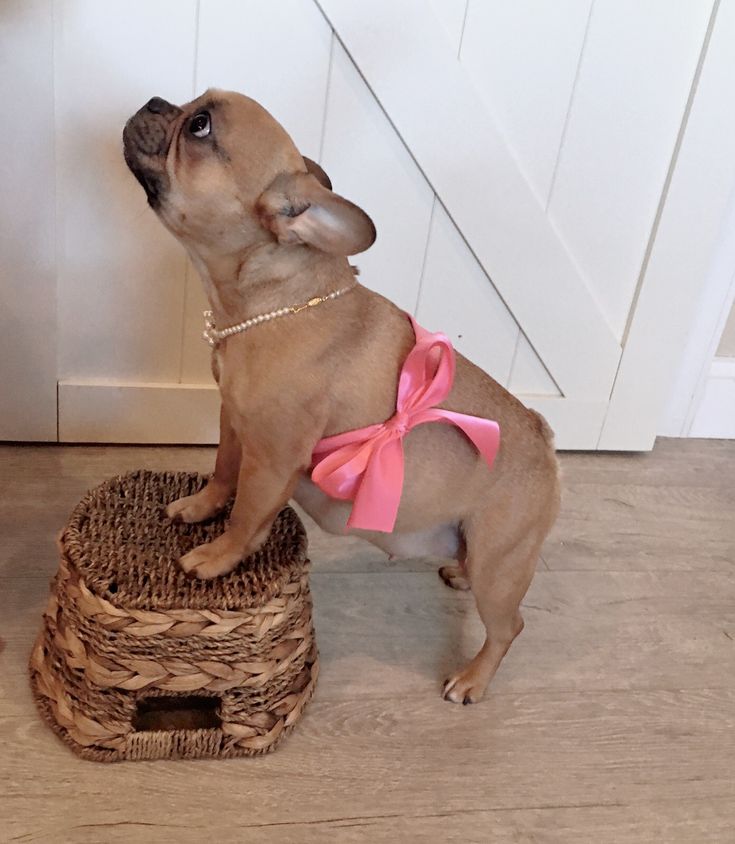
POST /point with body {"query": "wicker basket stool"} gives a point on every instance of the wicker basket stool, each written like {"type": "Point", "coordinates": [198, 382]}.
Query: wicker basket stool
{"type": "Point", "coordinates": [137, 661]}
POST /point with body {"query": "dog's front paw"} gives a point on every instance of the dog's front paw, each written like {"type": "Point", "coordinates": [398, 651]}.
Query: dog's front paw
{"type": "Point", "coordinates": [212, 559]}
{"type": "Point", "coordinates": [199, 507]}
{"type": "Point", "coordinates": [467, 686]}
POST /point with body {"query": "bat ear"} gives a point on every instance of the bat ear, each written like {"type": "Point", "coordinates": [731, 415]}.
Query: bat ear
{"type": "Point", "coordinates": [298, 208]}
{"type": "Point", "coordinates": [318, 172]}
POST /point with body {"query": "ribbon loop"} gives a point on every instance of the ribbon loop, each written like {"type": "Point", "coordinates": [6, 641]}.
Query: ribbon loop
{"type": "Point", "coordinates": [366, 465]}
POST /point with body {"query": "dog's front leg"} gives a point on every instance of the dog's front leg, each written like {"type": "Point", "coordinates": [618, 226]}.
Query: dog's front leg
{"type": "Point", "coordinates": [263, 489]}
{"type": "Point", "coordinates": [221, 486]}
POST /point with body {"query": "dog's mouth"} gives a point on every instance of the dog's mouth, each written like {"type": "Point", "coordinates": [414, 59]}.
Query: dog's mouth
{"type": "Point", "coordinates": [152, 183]}
{"type": "Point", "coordinates": [146, 140]}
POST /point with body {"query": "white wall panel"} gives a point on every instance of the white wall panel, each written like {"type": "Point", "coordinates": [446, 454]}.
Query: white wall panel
{"type": "Point", "coordinates": [523, 57]}
{"type": "Point", "coordinates": [369, 164]}
{"type": "Point", "coordinates": [277, 53]}
{"type": "Point", "coordinates": [27, 211]}
{"type": "Point", "coordinates": [458, 299]}
{"type": "Point", "coordinates": [121, 275]}
{"type": "Point", "coordinates": [634, 81]}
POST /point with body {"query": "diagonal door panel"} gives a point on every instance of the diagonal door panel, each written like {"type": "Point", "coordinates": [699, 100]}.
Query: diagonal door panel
{"type": "Point", "coordinates": [634, 80]}
{"type": "Point", "coordinates": [524, 59]}
{"type": "Point", "coordinates": [529, 376]}
{"type": "Point", "coordinates": [386, 182]}
{"type": "Point", "coordinates": [457, 298]}
{"type": "Point", "coordinates": [405, 58]}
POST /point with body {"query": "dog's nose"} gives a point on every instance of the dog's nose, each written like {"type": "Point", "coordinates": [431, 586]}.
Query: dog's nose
{"type": "Point", "coordinates": [158, 105]}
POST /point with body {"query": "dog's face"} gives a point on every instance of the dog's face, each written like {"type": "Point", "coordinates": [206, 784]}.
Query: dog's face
{"type": "Point", "coordinates": [222, 174]}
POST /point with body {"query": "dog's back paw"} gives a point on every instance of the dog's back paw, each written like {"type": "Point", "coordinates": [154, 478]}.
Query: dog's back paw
{"type": "Point", "coordinates": [454, 577]}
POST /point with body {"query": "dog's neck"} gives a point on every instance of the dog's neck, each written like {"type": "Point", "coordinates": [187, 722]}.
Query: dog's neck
{"type": "Point", "coordinates": [266, 277]}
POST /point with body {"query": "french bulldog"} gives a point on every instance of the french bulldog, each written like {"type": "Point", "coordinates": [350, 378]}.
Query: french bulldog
{"type": "Point", "coordinates": [302, 352]}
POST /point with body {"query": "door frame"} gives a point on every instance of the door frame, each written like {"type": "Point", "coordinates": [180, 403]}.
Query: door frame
{"type": "Point", "coordinates": [687, 236]}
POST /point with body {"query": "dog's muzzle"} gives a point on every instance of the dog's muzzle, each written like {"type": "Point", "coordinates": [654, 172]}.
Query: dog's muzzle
{"type": "Point", "coordinates": [146, 139]}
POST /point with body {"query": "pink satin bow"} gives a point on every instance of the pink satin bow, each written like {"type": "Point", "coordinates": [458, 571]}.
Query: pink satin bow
{"type": "Point", "coordinates": [366, 465]}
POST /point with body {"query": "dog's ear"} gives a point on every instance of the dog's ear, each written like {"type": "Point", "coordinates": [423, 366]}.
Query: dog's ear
{"type": "Point", "coordinates": [298, 209]}
{"type": "Point", "coordinates": [318, 172]}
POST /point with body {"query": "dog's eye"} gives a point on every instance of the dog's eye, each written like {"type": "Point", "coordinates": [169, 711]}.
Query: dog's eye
{"type": "Point", "coordinates": [200, 125]}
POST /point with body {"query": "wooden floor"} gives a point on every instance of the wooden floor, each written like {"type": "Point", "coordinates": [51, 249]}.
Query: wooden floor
{"type": "Point", "coordinates": [611, 720]}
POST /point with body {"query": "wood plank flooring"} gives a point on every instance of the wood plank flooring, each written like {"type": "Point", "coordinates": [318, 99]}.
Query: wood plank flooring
{"type": "Point", "coordinates": [611, 720]}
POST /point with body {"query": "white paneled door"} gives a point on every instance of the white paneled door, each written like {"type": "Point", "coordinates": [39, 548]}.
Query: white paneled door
{"type": "Point", "coordinates": [548, 182]}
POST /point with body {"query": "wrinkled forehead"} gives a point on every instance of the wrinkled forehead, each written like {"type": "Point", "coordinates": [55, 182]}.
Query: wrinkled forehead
{"type": "Point", "coordinates": [243, 129]}
{"type": "Point", "coordinates": [227, 104]}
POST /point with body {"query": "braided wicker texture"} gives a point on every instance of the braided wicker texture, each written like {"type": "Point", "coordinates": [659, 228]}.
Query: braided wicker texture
{"type": "Point", "coordinates": [126, 632]}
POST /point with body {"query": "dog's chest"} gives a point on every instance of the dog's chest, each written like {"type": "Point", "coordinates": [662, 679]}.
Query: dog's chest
{"type": "Point", "coordinates": [217, 364]}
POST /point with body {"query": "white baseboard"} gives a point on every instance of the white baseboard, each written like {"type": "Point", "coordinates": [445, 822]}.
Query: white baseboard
{"type": "Point", "coordinates": [110, 412]}
{"type": "Point", "coordinates": [715, 416]}
{"type": "Point", "coordinates": [105, 412]}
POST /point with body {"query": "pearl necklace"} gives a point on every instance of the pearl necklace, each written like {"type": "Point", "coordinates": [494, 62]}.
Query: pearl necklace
{"type": "Point", "coordinates": [214, 336]}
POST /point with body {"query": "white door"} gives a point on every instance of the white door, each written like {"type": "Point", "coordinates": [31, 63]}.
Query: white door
{"type": "Point", "coordinates": [547, 180]}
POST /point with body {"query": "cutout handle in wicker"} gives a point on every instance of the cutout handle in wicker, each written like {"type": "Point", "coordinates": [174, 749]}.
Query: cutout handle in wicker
{"type": "Point", "coordinates": [137, 661]}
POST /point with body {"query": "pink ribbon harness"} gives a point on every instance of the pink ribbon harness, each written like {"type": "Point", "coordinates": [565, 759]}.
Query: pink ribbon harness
{"type": "Point", "coordinates": [366, 465]}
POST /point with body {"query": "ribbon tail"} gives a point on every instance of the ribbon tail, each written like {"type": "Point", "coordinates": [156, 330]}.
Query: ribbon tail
{"type": "Point", "coordinates": [379, 494]}
{"type": "Point", "coordinates": [483, 433]}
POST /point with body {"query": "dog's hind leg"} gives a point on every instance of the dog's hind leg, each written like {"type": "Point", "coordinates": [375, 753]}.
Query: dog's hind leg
{"type": "Point", "coordinates": [455, 576]}
{"type": "Point", "coordinates": [499, 578]}
{"type": "Point", "coordinates": [220, 487]}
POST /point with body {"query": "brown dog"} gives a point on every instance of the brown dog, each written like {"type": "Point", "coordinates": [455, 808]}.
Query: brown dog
{"type": "Point", "coordinates": [265, 231]}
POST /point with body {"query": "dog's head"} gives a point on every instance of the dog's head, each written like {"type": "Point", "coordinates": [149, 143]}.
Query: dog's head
{"type": "Point", "coordinates": [223, 175]}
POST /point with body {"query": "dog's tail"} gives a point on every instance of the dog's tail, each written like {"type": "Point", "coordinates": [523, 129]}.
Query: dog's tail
{"type": "Point", "coordinates": [543, 428]}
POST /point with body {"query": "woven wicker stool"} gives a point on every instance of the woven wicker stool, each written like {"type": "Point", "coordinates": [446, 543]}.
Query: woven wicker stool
{"type": "Point", "coordinates": [137, 661]}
